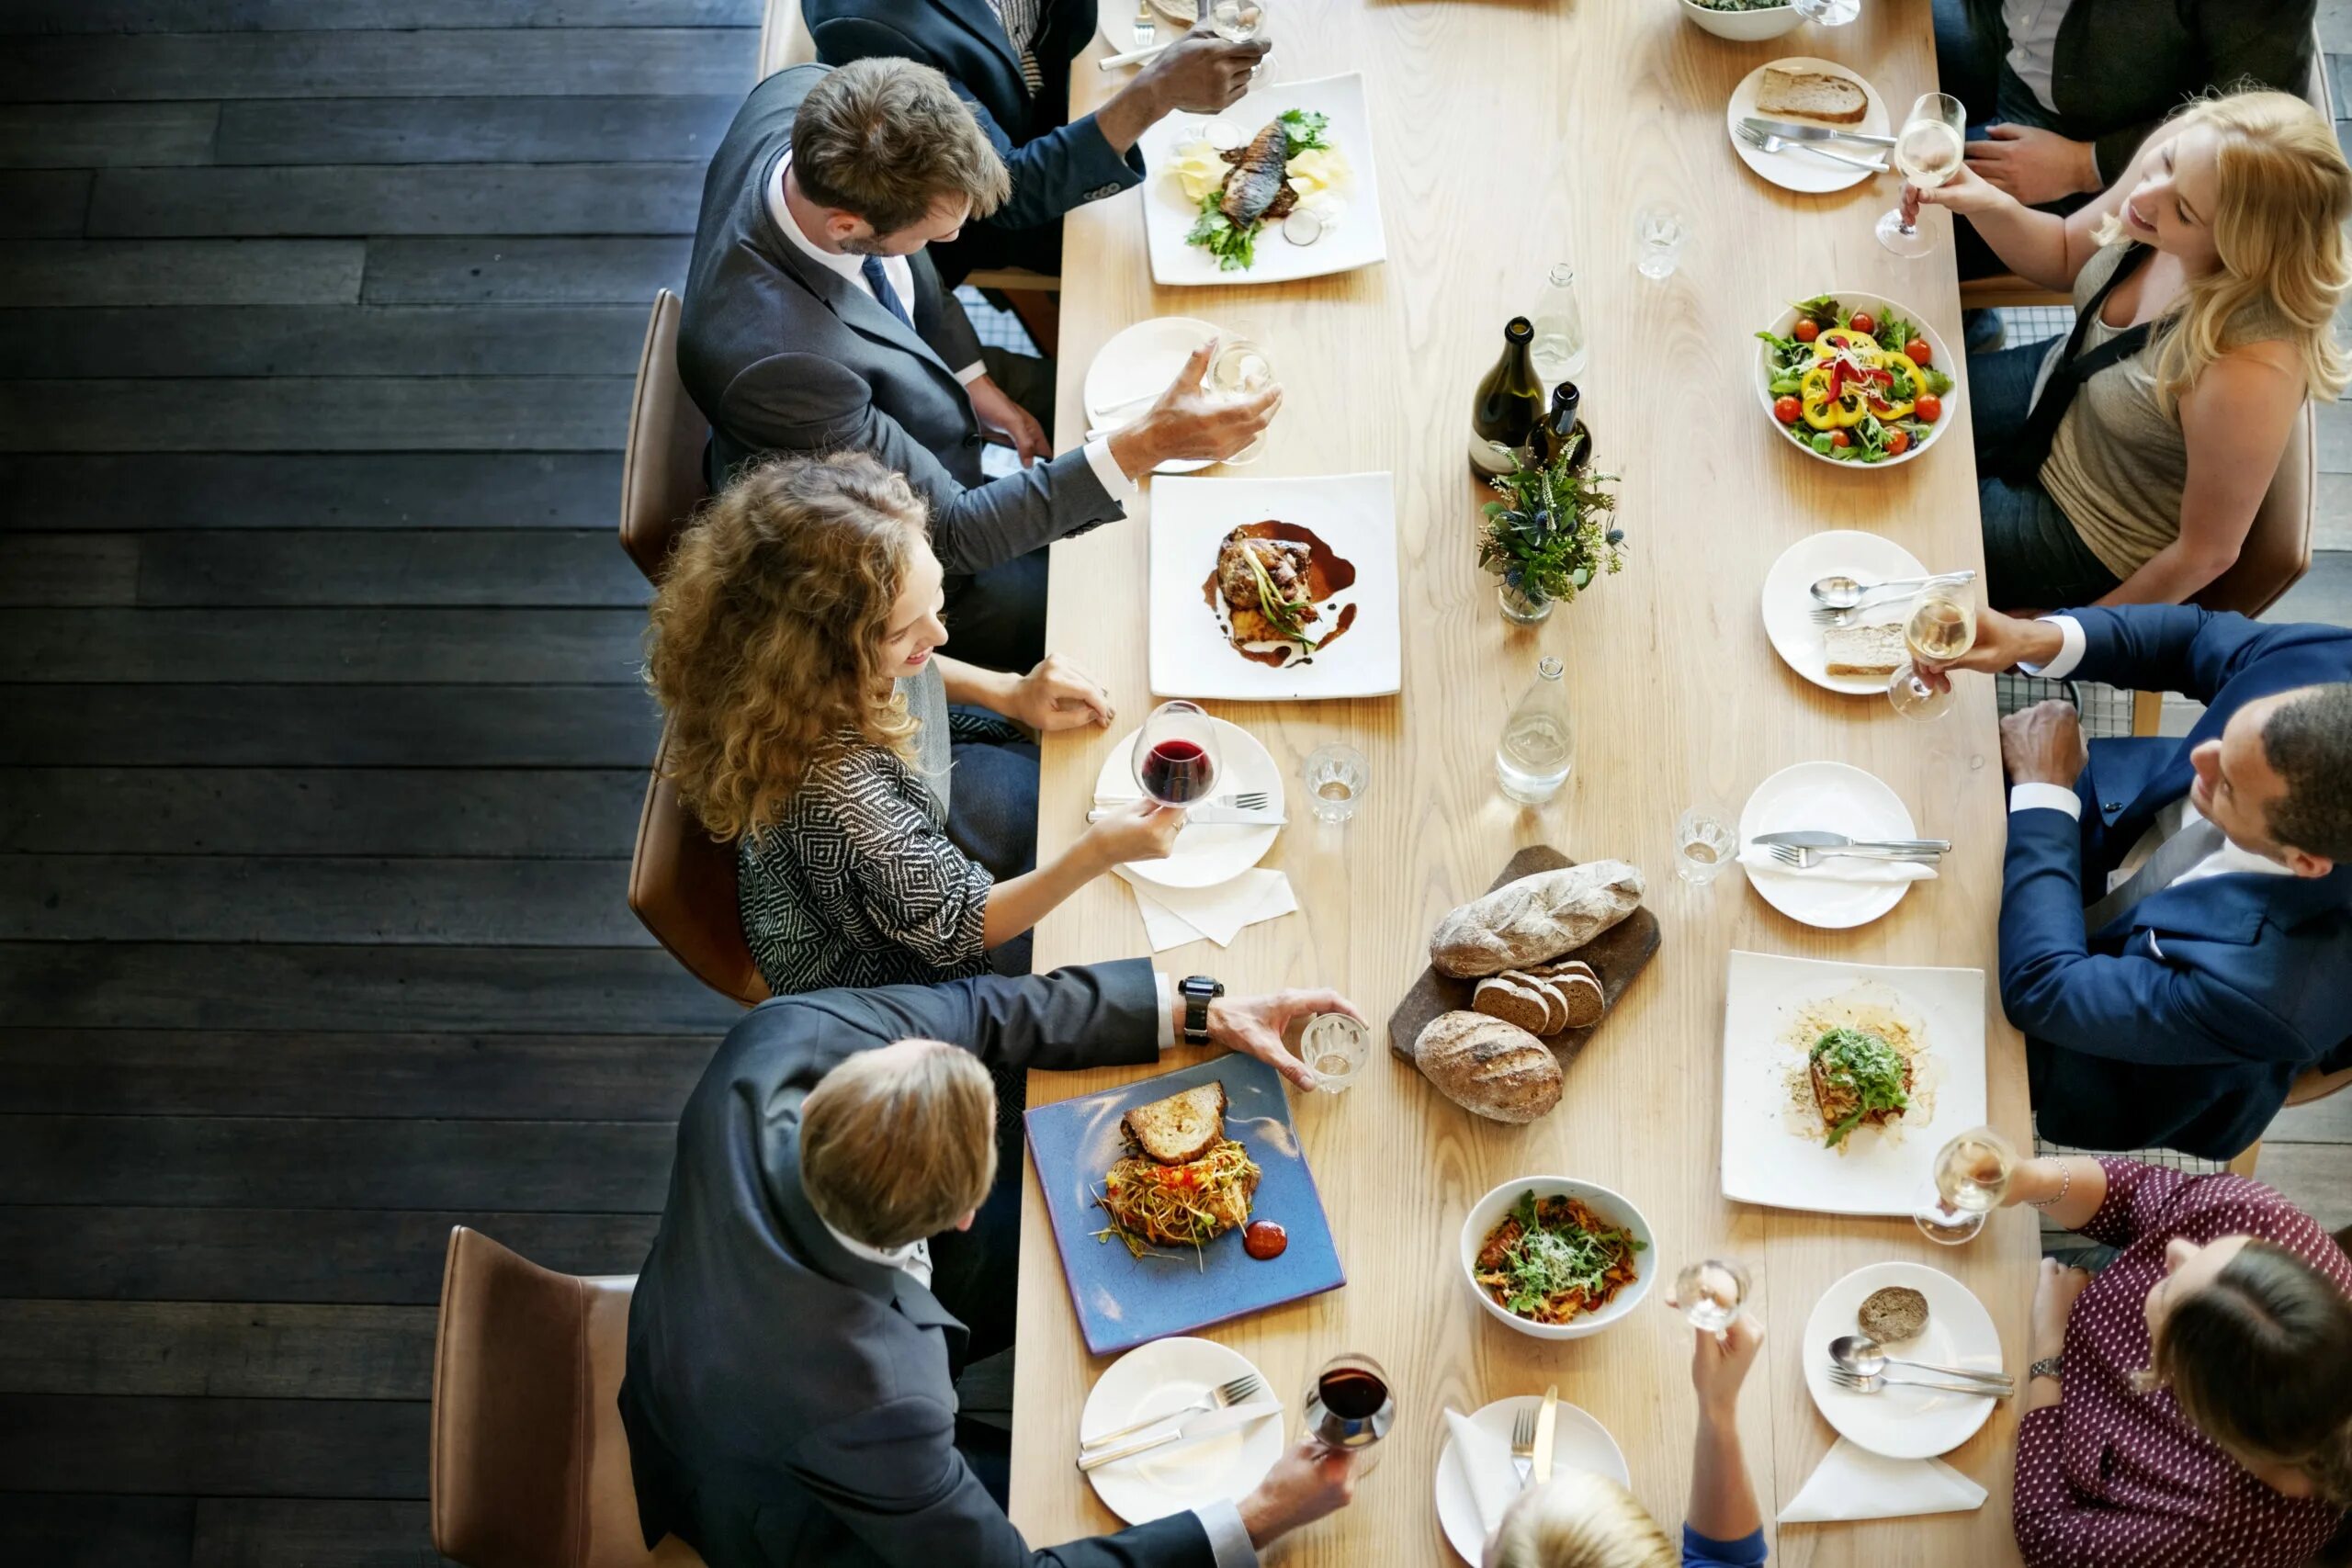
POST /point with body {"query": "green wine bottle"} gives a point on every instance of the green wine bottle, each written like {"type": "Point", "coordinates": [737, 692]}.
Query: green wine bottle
{"type": "Point", "coordinates": [1561, 432]}
{"type": "Point", "coordinates": [1511, 402]}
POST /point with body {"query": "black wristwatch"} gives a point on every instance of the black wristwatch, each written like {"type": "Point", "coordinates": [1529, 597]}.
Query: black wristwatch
{"type": "Point", "coordinates": [2048, 1367]}
{"type": "Point", "coordinates": [1198, 991]}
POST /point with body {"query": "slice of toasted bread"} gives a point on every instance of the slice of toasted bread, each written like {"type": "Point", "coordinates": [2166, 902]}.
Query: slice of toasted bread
{"type": "Point", "coordinates": [1811, 95]}
{"type": "Point", "coordinates": [1513, 1002]}
{"type": "Point", "coordinates": [1875, 650]}
{"type": "Point", "coordinates": [1181, 1128]}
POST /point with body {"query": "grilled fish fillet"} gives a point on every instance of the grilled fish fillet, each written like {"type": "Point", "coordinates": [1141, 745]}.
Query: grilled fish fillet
{"type": "Point", "coordinates": [1257, 184]}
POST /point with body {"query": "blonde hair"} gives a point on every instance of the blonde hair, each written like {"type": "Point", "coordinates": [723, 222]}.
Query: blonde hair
{"type": "Point", "coordinates": [899, 1144]}
{"type": "Point", "coordinates": [2284, 192]}
{"type": "Point", "coordinates": [1581, 1520]}
{"type": "Point", "coordinates": [765, 642]}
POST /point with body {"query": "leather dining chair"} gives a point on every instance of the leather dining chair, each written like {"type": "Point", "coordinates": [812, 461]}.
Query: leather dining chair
{"type": "Point", "coordinates": [681, 886]}
{"type": "Point", "coordinates": [661, 471]}
{"type": "Point", "coordinates": [529, 1464]}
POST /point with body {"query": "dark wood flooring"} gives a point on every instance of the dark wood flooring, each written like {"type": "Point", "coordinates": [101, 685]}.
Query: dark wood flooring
{"type": "Point", "coordinates": [325, 743]}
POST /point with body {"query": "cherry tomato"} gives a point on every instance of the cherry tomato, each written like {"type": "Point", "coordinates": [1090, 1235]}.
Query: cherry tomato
{"type": "Point", "coordinates": [1898, 442]}
{"type": "Point", "coordinates": [1839, 439]}
{"type": "Point", "coordinates": [1806, 329]}
{"type": "Point", "coordinates": [1920, 350]}
{"type": "Point", "coordinates": [1929, 408]}
{"type": "Point", "coordinates": [1786, 409]}
{"type": "Point", "coordinates": [1864, 323]}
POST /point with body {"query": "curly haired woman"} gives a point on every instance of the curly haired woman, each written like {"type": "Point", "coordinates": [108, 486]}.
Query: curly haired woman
{"type": "Point", "coordinates": [794, 643]}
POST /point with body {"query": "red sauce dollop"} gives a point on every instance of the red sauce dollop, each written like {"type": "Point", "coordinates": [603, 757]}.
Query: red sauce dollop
{"type": "Point", "coordinates": [1264, 1239]}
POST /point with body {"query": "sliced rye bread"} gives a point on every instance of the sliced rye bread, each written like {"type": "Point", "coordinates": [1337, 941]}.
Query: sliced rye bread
{"type": "Point", "coordinates": [1811, 95]}
{"type": "Point", "coordinates": [1513, 1003]}
{"type": "Point", "coordinates": [1555, 1005]}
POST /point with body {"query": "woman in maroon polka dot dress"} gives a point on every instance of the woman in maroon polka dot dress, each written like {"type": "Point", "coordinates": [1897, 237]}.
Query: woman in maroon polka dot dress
{"type": "Point", "coordinates": [2191, 1405]}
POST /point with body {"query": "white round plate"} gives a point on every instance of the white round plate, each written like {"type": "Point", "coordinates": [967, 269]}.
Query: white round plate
{"type": "Point", "coordinates": [1881, 307]}
{"type": "Point", "coordinates": [1787, 599]}
{"type": "Point", "coordinates": [1578, 1442]}
{"type": "Point", "coordinates": [1841, 799]}
{"type": "Point", "coordinates": [1141, 360]}
{"type": "Point", "coordinates": [1802, 171]}
{"type": "Point", "coordinates": [1204, 855]}
{"type": "Point", "coordinates": [1166, 1375]}
{"type": "Point", "coordinates": [1900, 1422]}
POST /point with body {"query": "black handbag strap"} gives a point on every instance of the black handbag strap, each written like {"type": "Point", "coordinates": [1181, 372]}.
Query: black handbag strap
{"type": "Point", "coordinates": [2022, 463]}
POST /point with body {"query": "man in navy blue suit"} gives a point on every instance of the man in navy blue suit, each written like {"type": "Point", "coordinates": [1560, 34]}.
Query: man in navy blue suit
{"type": "Point", "coordinates": [1010, 60]}
{"type": "Point", "coordinates": [2176, 915]}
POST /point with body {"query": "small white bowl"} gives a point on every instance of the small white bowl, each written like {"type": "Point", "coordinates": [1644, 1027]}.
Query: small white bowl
{"type": "Point", "coordinates": [1488, 1212]}
{"type": "Point", "coordinates": [1744, 26]}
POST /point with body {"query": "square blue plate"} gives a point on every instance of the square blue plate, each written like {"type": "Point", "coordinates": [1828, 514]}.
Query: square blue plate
{"type": "Point", "coordinates": [1122, 1300]}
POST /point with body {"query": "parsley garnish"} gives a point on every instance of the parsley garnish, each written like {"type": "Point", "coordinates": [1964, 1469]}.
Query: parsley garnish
{"type": "Point", "coordinates": [1858, 1060]}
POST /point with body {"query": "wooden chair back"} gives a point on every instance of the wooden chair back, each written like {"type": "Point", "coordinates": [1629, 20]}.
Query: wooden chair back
{"type": "Point", "coordinates": [661, 471]}
{"type": "Point", "coordinates": [681, 886]}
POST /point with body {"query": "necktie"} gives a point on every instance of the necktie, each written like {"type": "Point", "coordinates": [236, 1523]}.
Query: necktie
{"type": "Point", "coordinates": [2177, 854]}
{"type": "Point", "coordinates": [870, 268]}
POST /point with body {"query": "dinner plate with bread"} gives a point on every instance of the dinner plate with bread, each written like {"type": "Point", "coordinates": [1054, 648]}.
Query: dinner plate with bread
{"type": "Point", "coordinates": [1857, 659]}
{"type": "Point", "coordinates": [1800, 90]}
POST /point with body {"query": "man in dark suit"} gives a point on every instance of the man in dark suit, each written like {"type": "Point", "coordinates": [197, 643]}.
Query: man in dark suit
{"type": "Point", "coordinates": [839, 1213]}
{"type": "Point", "coordinates": [2208, 967]}
{"type": "Point", "coordinates": [815, 320]}
{"type": "Point", "coordinates": [1010, 60]}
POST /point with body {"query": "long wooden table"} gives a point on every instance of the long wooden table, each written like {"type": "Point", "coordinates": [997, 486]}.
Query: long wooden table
{"type": "Point", "coordinates": [1510, 136]}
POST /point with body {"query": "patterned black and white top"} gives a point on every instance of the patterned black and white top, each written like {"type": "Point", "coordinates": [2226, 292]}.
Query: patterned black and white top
{"type": "Point", "coordinates": [858, 884]}
{"type": "Point", "coordinates": [1019, 19]}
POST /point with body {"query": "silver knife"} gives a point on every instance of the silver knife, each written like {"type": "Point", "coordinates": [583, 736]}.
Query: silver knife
{"type": "Point", "coordinates": [1816, 839]}
{"type": "Point", "coordinates": [1789, 131]}
{"type": "Point", "coordinates": [1209, 817]}
{"type": "Point", "coordinates": [1207, 1425]}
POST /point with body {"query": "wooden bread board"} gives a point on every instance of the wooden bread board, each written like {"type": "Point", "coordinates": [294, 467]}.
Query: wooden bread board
{"type": "Point", "coordinates": [1616, 955]}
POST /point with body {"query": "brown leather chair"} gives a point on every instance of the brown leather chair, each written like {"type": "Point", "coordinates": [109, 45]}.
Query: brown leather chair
{"type": "Point", "coordinates": [530, 1466]}
{"type": "Point", "coordinates": [661, 472]}
{"type": "Point", "coordinates": [682, 885]}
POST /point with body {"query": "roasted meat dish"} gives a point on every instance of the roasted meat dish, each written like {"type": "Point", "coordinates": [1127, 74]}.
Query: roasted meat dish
{"type": "Point", "coordinates": [1258, 188]}
{"type": "Point", "coordinates": [1283, 562]}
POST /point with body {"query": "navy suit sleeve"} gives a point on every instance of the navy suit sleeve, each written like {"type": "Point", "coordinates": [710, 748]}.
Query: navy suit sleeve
{"type": "Point", "coordinates": [2120, 1006]}
{"type": "Point", "coordinates": [1089, 1016]}
{"type": "Point", "coordinates": [2180, 648]}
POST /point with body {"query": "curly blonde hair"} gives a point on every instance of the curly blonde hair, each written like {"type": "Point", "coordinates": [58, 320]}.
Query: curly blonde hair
{"type": "Point", "coordinates": [765, 646]}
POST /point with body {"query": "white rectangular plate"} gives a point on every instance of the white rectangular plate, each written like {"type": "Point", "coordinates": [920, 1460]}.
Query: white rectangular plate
{"type": "Point", "coordinates": [1877, 1171]}
{"type": "Point", "coordinates": [1357, 240]}
{"type": "Point", "coordinates": [1355, 514]}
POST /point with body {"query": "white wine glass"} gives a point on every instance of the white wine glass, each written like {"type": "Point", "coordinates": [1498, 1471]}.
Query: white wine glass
{"type": "Point", "coordinates": [1829, 13]}
{"type": "Point", "coordinates": [1238, 21]}
{"type": "Point", "coordinates": [1973, 1175]}
{"type": "Point", "coordinates": [1929, 150]}
{"type": "Point", "coordinates": [1942, 626]}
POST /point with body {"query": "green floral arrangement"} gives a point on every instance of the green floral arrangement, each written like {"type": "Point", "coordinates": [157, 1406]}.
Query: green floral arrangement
{"type": "Point", "coordinates": [1550, 535]}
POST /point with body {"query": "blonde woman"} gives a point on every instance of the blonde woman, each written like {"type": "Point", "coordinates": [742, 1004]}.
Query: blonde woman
{"type": "Point", "coordinates": [794, 644]}
{"type": "Point", "coordinates": [1589, 1521]}
{"type": "Point", "coordinates": [2123, 463]}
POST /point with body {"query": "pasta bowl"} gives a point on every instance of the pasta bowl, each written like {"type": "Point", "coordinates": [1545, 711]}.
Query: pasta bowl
{"type": "Point", "coordinates": [1608, 1208]}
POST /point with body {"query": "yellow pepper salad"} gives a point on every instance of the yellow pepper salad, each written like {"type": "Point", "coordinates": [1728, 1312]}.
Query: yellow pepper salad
{"type": "Point", "coordinates": [1854, 387]}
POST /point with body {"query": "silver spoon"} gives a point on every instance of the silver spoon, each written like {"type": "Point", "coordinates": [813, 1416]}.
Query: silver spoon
{"type": "Point", "coordinates": [1839, 592]}
{"type": "Point", "coordinates": [1864, 1356]}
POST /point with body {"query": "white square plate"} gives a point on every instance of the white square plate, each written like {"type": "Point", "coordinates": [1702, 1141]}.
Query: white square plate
{"type": "Point", "coordinates": [1355, 514]}
{"type": "Point", "coordinates": [1769, 1158]}
{"type": "Point", "coordinates": [1356, 240]}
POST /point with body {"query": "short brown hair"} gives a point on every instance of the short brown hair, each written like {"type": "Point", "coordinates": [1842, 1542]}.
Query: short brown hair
{"type": "Point", "coordinates": [885, 140]}
{"type": "Point", "coordinates": [899, 1144]}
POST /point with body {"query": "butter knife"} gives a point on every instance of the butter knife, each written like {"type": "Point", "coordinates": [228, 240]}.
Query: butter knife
{"type": "Point", "coordinates": [1789, 131]}
{"type": "Point", "coordinates": [1207, 1425]}
{"type": "Point", "coordinates": [1546, 1424]}
{"type": "Point", "coordinates": [1817, 838]}
{"type": "Point", "coordinates": [1209, 817]}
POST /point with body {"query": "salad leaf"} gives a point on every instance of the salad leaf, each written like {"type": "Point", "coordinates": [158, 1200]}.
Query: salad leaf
{"type": "Point", "coordinates": [1303, 128]}
{"type": "Point", "coordinates": [1937, 381]}
{"type": "Point", "coordinates": [1860, 1061]}
{"type": "Point", "coordinates": [1234, 247]}
{"type": "Point", "coordinates": [1893, 332]}
{"type": "Point", "coordinates": [1824, 309]}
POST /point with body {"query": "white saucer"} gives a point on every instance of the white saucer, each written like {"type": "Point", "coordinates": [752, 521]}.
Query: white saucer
{"type": "Point", "coordinates": [1166, 1375]}
{"type": "Point", "coordinates": [1578, 1442]}
{"type": "Point", "coordinates": [1802, 170]}
{"type": "Point", "coordinates": [1788, 602]}
{"type": "Point", "coordinates": [1841, 799]}
{"type": "Point", "coordinates": [1205, 855]}
{"type": "Point", "coordinates": [1141, 360]}
{"type": "Point", "coordinates": [1899, 1422]}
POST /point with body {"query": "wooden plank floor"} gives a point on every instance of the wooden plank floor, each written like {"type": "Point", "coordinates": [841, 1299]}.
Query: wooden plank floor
{"type": "Point", "coordinates": [325, 740]}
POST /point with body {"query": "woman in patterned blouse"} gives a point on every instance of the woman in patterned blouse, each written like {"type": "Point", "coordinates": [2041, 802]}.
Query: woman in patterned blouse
{"type": "Point", "coordinates": [794, 644]}
{"type": "Point", "coordinates": [2201, 1407]}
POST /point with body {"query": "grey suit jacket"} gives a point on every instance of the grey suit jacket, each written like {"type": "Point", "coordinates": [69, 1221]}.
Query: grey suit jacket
{"type": "Point", "coordinates": [788, 1403]}
{"type": "Point", "coordinates": [784, 355]}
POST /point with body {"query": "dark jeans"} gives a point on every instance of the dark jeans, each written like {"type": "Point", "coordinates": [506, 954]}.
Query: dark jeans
{"type": "Point", "coordinates": [1975, 69]}
{"type": "Point", "coordinates": [2033, 558]}
{"type": "Point", "coordinates": [992, 817]}
{"type": "Point", "coordinates": [995, 618]}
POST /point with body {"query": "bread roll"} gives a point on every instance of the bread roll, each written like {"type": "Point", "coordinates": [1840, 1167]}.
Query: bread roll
{"type": "Point", "coordinates": [1489, 1068]}
{"type": "Point", "coordinates": [1535, 918]}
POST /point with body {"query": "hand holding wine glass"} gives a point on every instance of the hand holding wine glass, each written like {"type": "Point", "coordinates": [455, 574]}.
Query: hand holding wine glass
{"type": "Point", "coordinates": [1973, 1173]}
{"type": "Point", "coordinates": [1941, 628]}
{"type": "Point", "coordinates": [1930, 149]}
{"type": "Point", "coordinates": [1176, 755]}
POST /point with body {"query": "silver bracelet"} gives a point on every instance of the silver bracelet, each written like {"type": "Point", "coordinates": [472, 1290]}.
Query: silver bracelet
{"type": "Point", "coordinates": [2065, 1184]}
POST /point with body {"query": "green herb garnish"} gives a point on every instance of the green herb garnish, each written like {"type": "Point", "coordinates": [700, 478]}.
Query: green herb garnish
{"type": "Point", "coordinates": [1234, 247]}
{"type": "Point", "coordinates": [1548, 1259]}
{"type": "Point", "coordinates": [1280, 613]}
{"type": "Point", "coordinates": [1859, 1061]}
{"type": "Point", "coordinates": [1303, 129]}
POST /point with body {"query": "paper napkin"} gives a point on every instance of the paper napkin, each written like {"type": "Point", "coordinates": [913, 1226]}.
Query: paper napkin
{"type": "Point", "coordinates": [1174, 916]}
{"type": "Point", "coordinates": [1483, 1461]}
{"type": "Point", "coordinates": [1842, 868]}
{"type": "Point", "coordinates": [1851, 1483]}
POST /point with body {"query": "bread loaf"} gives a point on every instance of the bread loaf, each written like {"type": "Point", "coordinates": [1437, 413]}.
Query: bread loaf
{"type": "Point", "coordinates": [1489, 1068]}
{"type": "Point", "coordinates": [1535, 918]}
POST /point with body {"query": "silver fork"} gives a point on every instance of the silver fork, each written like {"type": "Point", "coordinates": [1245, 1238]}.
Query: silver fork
{"type": "Point", "coordinates": [1879, 1382]}
{"type": "Point", "coordinates": [1777, 145]}
{"type": "Point", "coordinates": [1805, 858]}
{"type": "Point", "coordinates": [1522, 1445]}
{"type": "Point", "coordinates": [1247, 800]}
{"type": "Point", "coordinates": [1147, 28]}
{"type": "Point", "coordinates": [1239, 1390]}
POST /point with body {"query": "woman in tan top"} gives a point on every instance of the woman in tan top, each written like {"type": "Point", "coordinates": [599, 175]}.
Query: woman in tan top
{"type": "Point", "coordinates": [2138, 480]}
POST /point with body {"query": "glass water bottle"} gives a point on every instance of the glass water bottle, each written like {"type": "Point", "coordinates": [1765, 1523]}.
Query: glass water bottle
{"type": "Point", "coordinates": [1538, 747]}
{"type": "Point", "coordinates": [1560, 350]}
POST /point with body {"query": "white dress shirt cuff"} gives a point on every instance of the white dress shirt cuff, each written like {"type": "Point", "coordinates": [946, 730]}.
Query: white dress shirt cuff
{"type": "Point", "coordinates": [1122, 489]}
{"type": "Point", "coordinates": [2070, 644]}
{"type": "Point", "coordinates": [2049, 797]}
{"type": "Point", "coordinates": [971, 373]}
{"type": "Point", "coordinates": [1229, 1541]}
{"type": "Point", "coordinates": [1166, 990]}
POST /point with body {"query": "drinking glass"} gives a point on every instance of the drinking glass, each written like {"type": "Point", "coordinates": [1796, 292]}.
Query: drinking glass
{"type": "Point", "coordinates": [1942, 626]}
{"type": "Point", "coordinates": [1176, 759]}
{"type": "Point", "coordinates": [1350, 1408]}
{"type": "Point", "coordinates": [1702, 846]}
{"type": "Point", "coordinates": [1660, 232]}
{"type": "Point", "coordinates": [1710, 1291]}
{"type": "Point", "coordinates": [1929, 150]}
{"type": "Point", "coordinates": [1238, 371]}
{"type": "Point", "coordinates": [1972, 1174]}
{"type": "Point", "coordinates": [1560, 349]}
{"type": "Point", "coordinates": [1238, 21]}
{"type": "Point", "coordinates": [1337, 780]}
{"type": "Point", "coordinates": [1335, 1048]}
{"type": "Point", "coordinates": [1829, 13]}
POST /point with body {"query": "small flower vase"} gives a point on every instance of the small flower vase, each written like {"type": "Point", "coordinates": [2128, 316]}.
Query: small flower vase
{"type": "Point", "coordinates": [1521, 608]}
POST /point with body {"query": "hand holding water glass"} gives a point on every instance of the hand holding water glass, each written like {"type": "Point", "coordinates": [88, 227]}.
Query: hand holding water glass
{"type": "Point", "coordinates": [1238, 371]}
{"type": "Point", "coordinates": [1709, 1293]}
{"type": "Point", "coordinates": [1929, 150]}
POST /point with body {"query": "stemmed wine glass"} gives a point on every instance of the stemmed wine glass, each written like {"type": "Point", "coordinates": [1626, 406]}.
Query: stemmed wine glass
{"type": "Point", "coordinates": [1928, 149]}
{"type": "Point", "coordinates": [1942, 626]}
{"type": "Point", "coordinates": [1350, 1408]}
{"type": "Point", "coordinates": [1176, 759]}
{"type": "Point", "coordinates": [1972, 1174]}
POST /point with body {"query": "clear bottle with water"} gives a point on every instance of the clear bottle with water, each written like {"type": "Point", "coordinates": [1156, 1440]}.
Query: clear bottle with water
{"type": "Point", "coordinates": [1538, 747]}
{"type": "Point", "coordinates": [1559, 350]}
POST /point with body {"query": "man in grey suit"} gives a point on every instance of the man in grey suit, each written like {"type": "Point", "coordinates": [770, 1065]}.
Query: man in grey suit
{"type": "Point", "coordinates": [815, 320]}
{"type": "Point", "coordinates": [837, 1214]}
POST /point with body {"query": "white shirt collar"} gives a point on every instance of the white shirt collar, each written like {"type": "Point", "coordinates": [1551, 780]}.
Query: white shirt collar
{"type": "Point", "coordinates": [914, 1260]}
{"type": "Point", "coordinates": [849, 266]}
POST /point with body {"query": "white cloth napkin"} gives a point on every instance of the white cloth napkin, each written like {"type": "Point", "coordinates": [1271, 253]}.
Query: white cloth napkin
{"type": "Point", "coordinates": [1483, 1461]}
{"type": "Point", "coordinates": [1174, 916]}
{"type": "Point", "coordinates": [1840, 868]}
{"type": "Point", "coordinates": [1851, 1483]}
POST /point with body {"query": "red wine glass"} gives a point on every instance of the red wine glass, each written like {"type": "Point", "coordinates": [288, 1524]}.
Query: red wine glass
{"type": "Point", "coordinates": [1176, 758]}
{"type": "Point", "coordinates": [1349, 1408]}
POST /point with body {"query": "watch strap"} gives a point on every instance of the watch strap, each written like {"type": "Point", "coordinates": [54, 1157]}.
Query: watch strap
{"type": "Point", "coordinates": [2048, 1367]}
